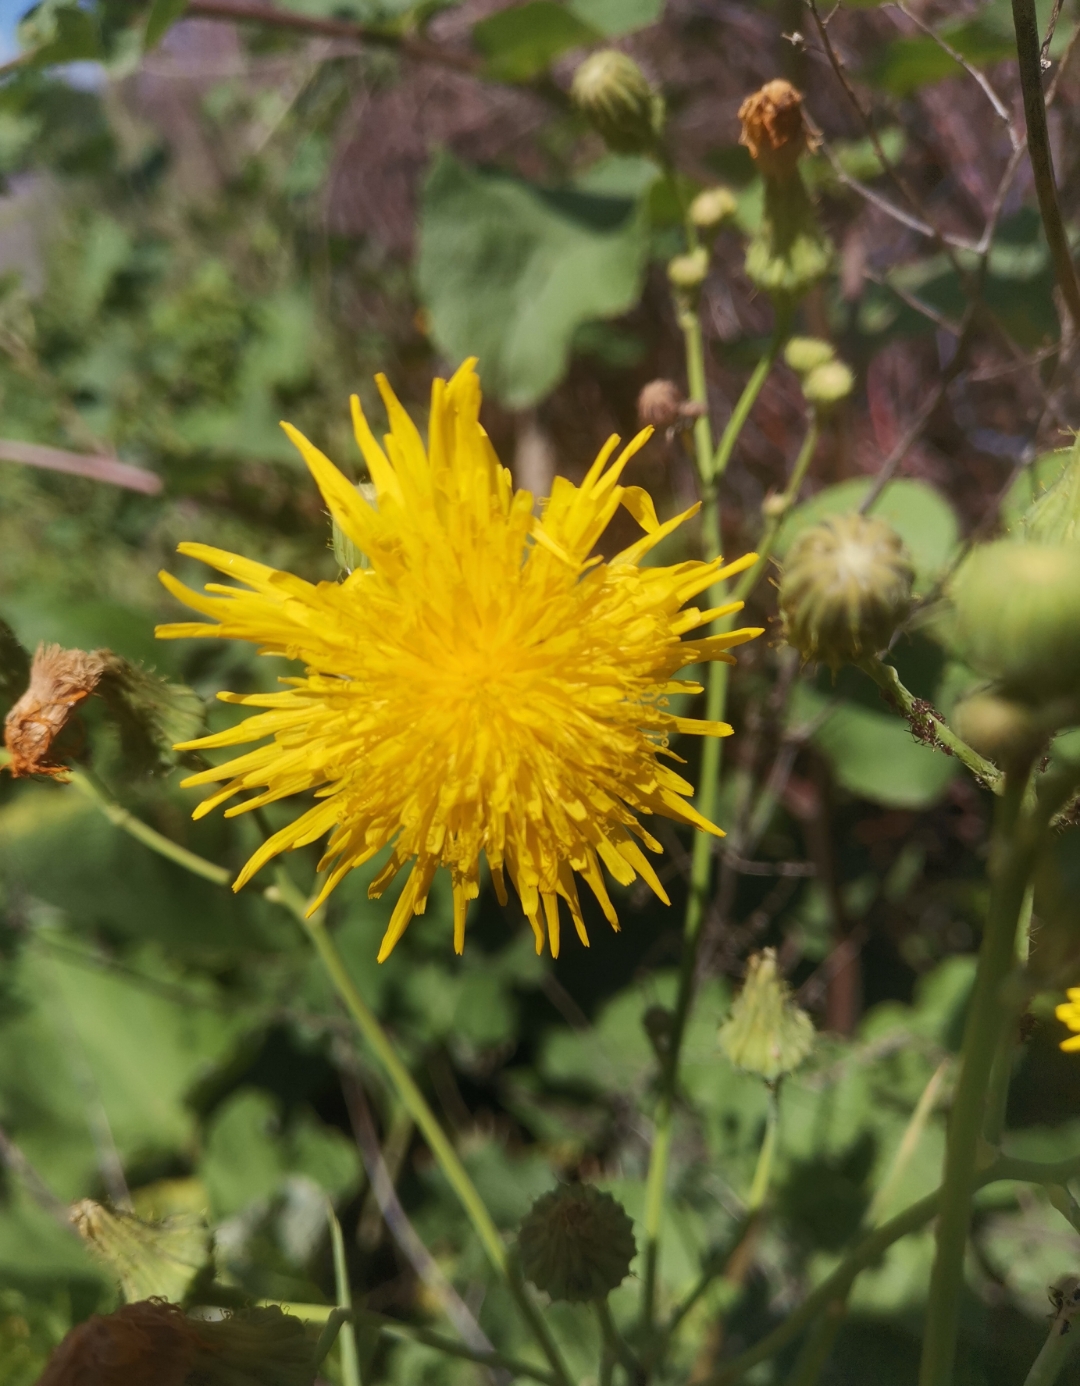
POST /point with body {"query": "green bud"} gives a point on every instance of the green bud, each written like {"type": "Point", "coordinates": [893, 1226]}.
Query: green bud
{"type": "Point", "coordinates": [151, 1260]}
{"type": "Point", "coordinates": [689, 271]}
{"type": "Point", "coordinates": [576, 1243]}
{"type": "Point", "coordinates": [711, 207]}
{"type": "Point", "coordinates": [828, 383]}
{"type": "Point", "coordinates": [996, 727]}
{"type": "Point", "coordinates": [804, 354]}
{"type": "Point", "coordinates": [767, 1033]}
{"type": "Point", "coordinates": [1055, 517]}
{"type": "Point", "coordinates": [1017, 617]}
{"type": "Point", "coordinates": [845, 589]}
{"type": "Point", "coordinates": [615, 96]}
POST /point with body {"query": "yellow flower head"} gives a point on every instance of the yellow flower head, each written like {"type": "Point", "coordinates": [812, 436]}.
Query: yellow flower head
{"type": "Point", "coordinates": [1069, 1013]}
{"type": "Point", "coordinates": [482, 686]}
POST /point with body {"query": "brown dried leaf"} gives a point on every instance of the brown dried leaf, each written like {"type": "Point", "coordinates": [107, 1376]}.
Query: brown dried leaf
{"type": "Point", "coordinates": [59, 681]}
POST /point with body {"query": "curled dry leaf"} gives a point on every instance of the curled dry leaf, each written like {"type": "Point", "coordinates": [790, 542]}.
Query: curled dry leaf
{"type": "Point", "coordinates": [59, 681]}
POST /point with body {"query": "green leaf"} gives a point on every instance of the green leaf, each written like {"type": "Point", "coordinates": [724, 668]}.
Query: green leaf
{"type": "Point", "coordinates": [922, 517]}
{"type": "Point", "coordinates": [1034, 481]}
{"type": "Point", "coordinates": [62, 33]}
{"type": "Point", "coordinates": [615, 17]}
{"type": "Point", "coordinates": [520, 42]}
{"type": "Point", "coordinates": [906, 64]}
{"type": "Point", "coordinates": [874, 755]}
{"type": "Point", "coordinates": [508, 272]}
{"type": "Point", "coordinates": [163, 15]}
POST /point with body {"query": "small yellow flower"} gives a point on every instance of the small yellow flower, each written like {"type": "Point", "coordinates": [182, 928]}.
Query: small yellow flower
{"type": "Point", "coordinates": [483, 685]}
{"type": "Point", "coordinates": [1069, 1014]}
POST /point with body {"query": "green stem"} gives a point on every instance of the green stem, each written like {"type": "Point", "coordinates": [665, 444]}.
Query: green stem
{"type": "Point", "coordinates": [701, 856]}
{"type": "Point", "coordinates": [1026, 24]}
{"type": "Point", "coordinates": [927, 727]}
{"type": "Point", "coordinates": [763, 1172]}
{"type": "Point", "coordinates": [819, 1344]}
{"type": "Point", "coordinates": [715, 1267]}
{"type": "Point", "coordinates": [1011, 861]}
{"type": "Point", "coordinates": [870, 1250]}
{"type": "Point", "coordinates": [350, 1357]}
{"type": "Point", "coordinates": [614, 1342]}
{"type": "Point", "coordinates": [1053, 1356]}
{"type": "Point", "coordinates": [143, 833]}
{"type": "Point", "coordinates": [694, 343]}
{"type": "Point", "coordinates": [750, 578]}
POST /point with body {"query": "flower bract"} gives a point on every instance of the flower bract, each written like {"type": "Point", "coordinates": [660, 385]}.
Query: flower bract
{"type": "Point", "coordinates": [484, 685]}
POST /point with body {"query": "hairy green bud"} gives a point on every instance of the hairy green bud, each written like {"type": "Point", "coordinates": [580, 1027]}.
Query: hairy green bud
{"type": "Point", "coordinates": [1017, 617]}
{"type": "Point", "coordinates": [845, 589]}
{"type": "Point", "coordinates": [767, 1033]}
{"type": "Point", "coordinates": [615, 96]}
{"type": "Point", "coordinates": [804, 354]}
{"type": "Point", "coordinates": [688, 271]}
{"type": "Point", "coordinates": [711, 207]}
{"type": "Point", "coordinates": [828, 383]}
{"type": "Point", "coordinates": [576, 1243]}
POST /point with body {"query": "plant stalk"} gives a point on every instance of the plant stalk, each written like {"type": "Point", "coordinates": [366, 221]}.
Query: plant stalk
{"type": "Point", "coordinates": [1026, 24]}
{"type": "Point", "coordinates": [1011, 861]}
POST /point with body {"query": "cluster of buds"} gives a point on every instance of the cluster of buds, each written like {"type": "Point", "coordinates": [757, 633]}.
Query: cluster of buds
{"type": "Point", "coordinates": [825, 379]}
{"type": "Point", "coordinates": [845, 589]}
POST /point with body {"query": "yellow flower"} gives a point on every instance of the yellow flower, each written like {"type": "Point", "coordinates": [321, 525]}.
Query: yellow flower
{"type": "Point", "coordinates": [482, 686]}
{"type": "Point", "coordinates": [1069, 1013]}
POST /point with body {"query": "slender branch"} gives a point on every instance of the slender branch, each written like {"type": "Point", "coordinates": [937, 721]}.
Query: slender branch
{"type": "Point", "coordinates": [614, 1341]}
{"type": "Point", "coordinates": [1000, 109]}
{"type": "Point", "coordinates": [1026, 24]}
{"type": "Point", "coordinates": [1060, 1342]}
{"type": "Point", "coordinates": [784, 502]}
{"type": "Point", "coordinates": [258, 12]}
{"type": "Point", "coordinates": [819, 1344]}
{"type": "Point", "coordinates": [927, 726]}
{"type": "Point", "coordinates": [96, 468]}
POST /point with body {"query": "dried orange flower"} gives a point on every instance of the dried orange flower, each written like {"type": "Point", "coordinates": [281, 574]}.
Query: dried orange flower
{"type": "Point", "coordinates": [59, 681]}
{"type": "Point", "coordinates": [150, 1343]}
{"type": "Point", "coordinates": [773, 128]}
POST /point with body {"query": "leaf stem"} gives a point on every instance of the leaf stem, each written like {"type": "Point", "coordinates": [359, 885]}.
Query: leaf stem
{"type": "Point", "coordinates": [763, 1170]}
{"type": "Point", "coordinates": [350, 1358]}
{"type": "Point", "coordinates": [927, 726]}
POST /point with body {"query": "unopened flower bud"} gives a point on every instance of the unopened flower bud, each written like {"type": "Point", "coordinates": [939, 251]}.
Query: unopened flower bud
{"type": "Point", "coordinates": [995, 727]}
{"type": "Point", "coordinates": [615, 96]}
{"type": "Point", "coordinates": [659, 403]}
{"type": "Point", "coordinates": [804, 354]}
{"type": "Point", "coordinates": [775, 505]}
{"type": "Point", "coordinates": [149, 1259]}
{"type": "Point", "coordinates": [688, 271]}
{"type": "Point", "coordinates": [773, 128]}
{"type": "Point", "coordinates": [846, 587]}
{"type": "Point", "coordinates": [576, 1243]}
{"type": "Point", "coordinates": [767, 1032]}
{"type": "Point", "coordinates": [1017, 617]}
{"type": "Point", "coordinates": [711, 207]}
{"type": "Point", "coordinates": [828, 383]}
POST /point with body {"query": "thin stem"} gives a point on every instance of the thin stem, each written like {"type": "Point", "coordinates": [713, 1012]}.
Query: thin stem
{"type": "Point", "coordinates": [927, 726]}
{"type": "Point", "coordinates": [763, 1172]}
{"type": "Point", "coordinates": [142, 832]}
{"type": "Point", "coordinates": [350, 1358]}
{"type": "Point", "coordinates": [614, 1342]}
{"type": "Point", "coordinates": [701, 858]}
{"type": "Point", "coordinates": [997, 1099]}
{"type": "Point", "coordinates": [785, 501]}
{"type": "Point", "coordinates": [1011, 860]}
{"type": "Point", "coordinates": [714, 1268]}
{"type": "Point", "coordinates": [1057, 1349]}
{"type": "Point", "coordinates": [871, 1249]}
{"type": "Point", "coordinates": [819, 1344]}
{"type": "Point", "coordinates": [1026, 25]}
{"type": "Point", "coordinates": [909, 1143]}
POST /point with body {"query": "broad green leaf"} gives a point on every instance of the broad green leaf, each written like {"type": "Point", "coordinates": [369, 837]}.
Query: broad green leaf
{"type": "Point", "coordinates": [874, 755]}
{"type": "Point", "coordinates": [508, 271]}
{"type": "Point", "coordinates": [62, 33]}
{"type": "Point", "coordinates": [521, 41]}
{"type": "Point", "coordinates": [1033, 482]}
{"type": "Point", "coordinates": [614, 17]}
{"type": "Point", "coordinates": [922, 517]}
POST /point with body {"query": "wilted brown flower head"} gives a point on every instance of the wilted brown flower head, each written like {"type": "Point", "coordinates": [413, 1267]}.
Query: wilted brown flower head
{"type": "Point", "coordinates": [59, 681]}
{"type": "Point", "coordinates": [773, 128]}
{"type": "Point", "coordinates": [150, 1343]}
{"type": "Point", "coordinates": [661, 404]}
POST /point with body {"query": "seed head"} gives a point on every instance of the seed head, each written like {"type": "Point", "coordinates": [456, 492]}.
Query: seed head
{"type": "Point", "coordinates": [576, 1243]}
{"type": "Point", "coordinates": [767, 1033]}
